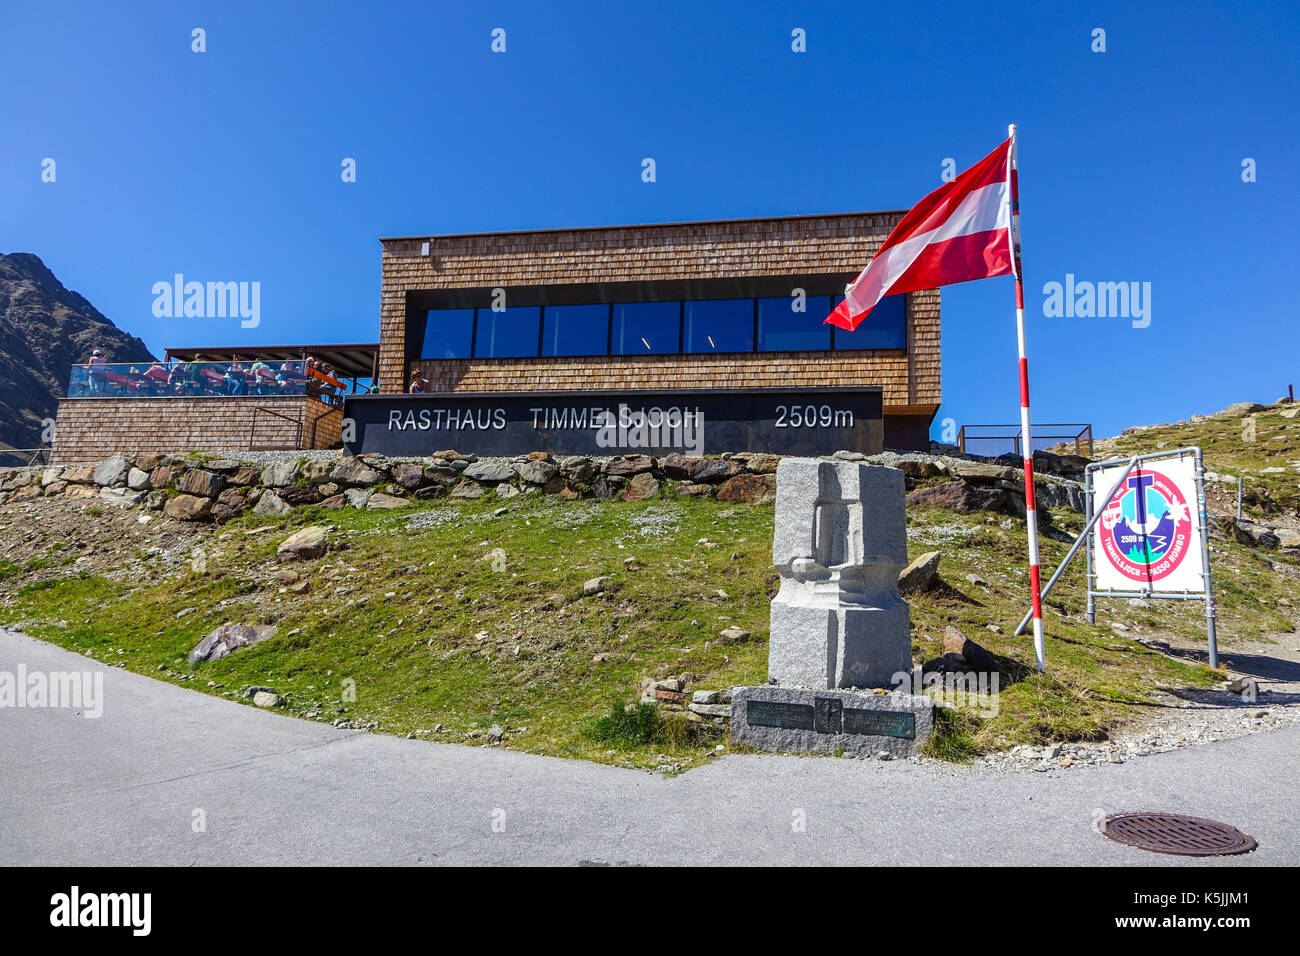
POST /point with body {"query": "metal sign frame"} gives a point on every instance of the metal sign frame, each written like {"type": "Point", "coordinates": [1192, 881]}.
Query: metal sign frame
{"type": "Point", "coordinates": [1085, 537]}
{"type": "Point", "coordinates": [1206, 593]}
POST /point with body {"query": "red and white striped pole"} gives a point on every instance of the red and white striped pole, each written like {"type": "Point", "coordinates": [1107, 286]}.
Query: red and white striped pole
{"type": "Point", "coordinates": [1026, 436]}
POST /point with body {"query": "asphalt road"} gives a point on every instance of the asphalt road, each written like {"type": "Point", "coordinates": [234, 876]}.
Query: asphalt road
{"type": "Point", "coordinates": [125, 788]}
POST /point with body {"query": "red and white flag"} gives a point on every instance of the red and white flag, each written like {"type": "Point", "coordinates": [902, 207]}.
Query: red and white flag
{"type": "Point", "coordinates": [959, 232]}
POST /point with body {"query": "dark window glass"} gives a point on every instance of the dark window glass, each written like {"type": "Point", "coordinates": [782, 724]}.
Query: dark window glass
{"type": "Point", "coordinates": [782, 329]}
{"type": "Point", "coordinates": [448, 333]}
{"type": "Point", "coordinates": [720, 325]}
{"type": "Point", "coordinates": [511, 333]}
{"type": "Point", "coordinates": [885, 326]}
{"type": "Point", "coordinates": [575, 329]}
{"type": "Point", "coordinates": [646, 328]}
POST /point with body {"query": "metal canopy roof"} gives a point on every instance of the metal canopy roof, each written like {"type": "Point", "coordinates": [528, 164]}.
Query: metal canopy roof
{"type": "Point", "coordinates": [350, 361]}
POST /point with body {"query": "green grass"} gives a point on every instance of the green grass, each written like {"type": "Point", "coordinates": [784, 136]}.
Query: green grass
{"type": "Point", "coordinates": [429, 634]}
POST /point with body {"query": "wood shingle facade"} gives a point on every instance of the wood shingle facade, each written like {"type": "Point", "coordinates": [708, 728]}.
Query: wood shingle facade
{"type": "Point", "coordinates": [699, 260]}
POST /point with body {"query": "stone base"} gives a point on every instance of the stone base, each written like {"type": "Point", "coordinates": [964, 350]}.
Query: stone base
{"type": "Point", "coordinates": [796, 720]}
{"type": "Point", "coordinates": [840, 647]}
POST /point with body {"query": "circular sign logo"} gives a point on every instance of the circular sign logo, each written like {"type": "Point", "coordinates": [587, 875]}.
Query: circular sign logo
{"type": "Point", "coordinates": [1146, 528]}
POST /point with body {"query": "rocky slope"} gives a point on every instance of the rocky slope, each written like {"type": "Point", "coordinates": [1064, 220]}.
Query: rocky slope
{"type": "Point", "coordinates": [44, 328]}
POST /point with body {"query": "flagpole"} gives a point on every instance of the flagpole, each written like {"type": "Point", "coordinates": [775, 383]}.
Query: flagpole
{"type": "Point", "coordinates": [1026, 435]}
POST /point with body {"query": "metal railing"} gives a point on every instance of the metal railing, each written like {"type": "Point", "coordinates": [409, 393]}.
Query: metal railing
{"type": "Point", "coordinates": [993, 440]}
{"type": "Point", "coordinates": [24, 457]}
{"type": "Point", "coordinates": [252, 431]}
{"type": "Point", "coordinates": [200, 379]}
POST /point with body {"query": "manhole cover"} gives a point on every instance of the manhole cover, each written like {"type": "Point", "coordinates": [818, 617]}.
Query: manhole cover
{"type": "Point", "coordinates": [1176, 834]}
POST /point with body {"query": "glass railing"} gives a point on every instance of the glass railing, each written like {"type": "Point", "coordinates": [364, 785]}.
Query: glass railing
{"type": "Point", "coordinates": [189, 379]}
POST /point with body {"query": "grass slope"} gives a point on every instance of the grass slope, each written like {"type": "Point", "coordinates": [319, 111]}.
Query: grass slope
{"type": "Point", "coordinates": [431, 626]}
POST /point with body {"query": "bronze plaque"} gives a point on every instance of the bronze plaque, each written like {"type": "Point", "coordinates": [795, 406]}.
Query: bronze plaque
{"type": "Point", "coordinates": [779, 713]}
{"type": "Point", "coordinates": [880, 723]}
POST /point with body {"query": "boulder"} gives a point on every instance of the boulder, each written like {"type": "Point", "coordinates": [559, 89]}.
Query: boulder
{"type": "Point", "coordinates": [280, 474]}
{"type": "Point", "coordinates": [265, 698]}
{"type": "Point", "coordinates": [918, 468]}
{"type": "Point", "coordinates": [1053, 464]}
{"type": "Point", "coordinates": [204, 484]}
{"type": "Point", "coordinates": [227, 639]}
{"type": "Point", "coordinates": [231, 503]}
{"type": "Point", "coordinates": [50, 475]}
{"type": "Point", "coordinates": [981, 471]}
{"type": "Point", "coordinates": [161, 476]}
{"type": "Point", "coordinates": [759, 464]}
{"type": "Point", "coordinates": [692, 490]}
{"type": "Point", "coordinates": [606, 487]}
{"type": "Point", "coordinates": [19, 479]}
{"type": "Point", "coordinates": [1054, 494]}
{"type": "Point", "coordinates": [959, 496]}
{"type": "Point", "coordinates": [54, 487]}
{"type": "Point", "coordinates": [269, 504]}
{"type": "Point", "coordinates": [409, 475]}
{"type": "Point", "coordinates": [304, 545]}
{"type": "Point", "coordinates": [947, 664]}
{"type": "Point", "coordinates": [440, 471]}
{"type": "Point", "coordinates": [628, 465]}
{"type": "Point", "coordinates": [678, 466]}
{"type": "Point", "coordinates": [358, 497]}
{"type": "Point", "coordinates": [136, 480]}
{"type": "Point", "coordinates": [577, 468]}
{"type": "Point", "coordinates": [714, 471]}
{"type": "Point", "coordinates": [335, 502]}
{"type": "Point", "coordinates": [317, 470]}
{"type": "Point", "coordinates": [1240, 410]}
{"type": "Point", "coordinates": [641, 487]}
{"type": "Point", "coordinates": [535, 471]}
{"type": "Point", "coordinates": [921, 573]}
{"type": "Point", "coordinates": [437, 491]}
{"type": "Point", "coordinates": [224, 466]}
{"type": "Point", "coordinates": [354, 473]}
{"type": "Point", "coordinates": [596, 585]}
{"type": "Point", "coordinates": [85, 475]}
{"type": "Point", "coordinates": [1254, 534]}
{"type": "Point", "coordinates": [112, 472]}
{"type": "Point", "coordinates": [122, 497]}
{"type": "Point", "coordinates": [301, 494]}
{"type": "Point", "coordinates": [188, 508]}
{"type": "Point", "coordinates": [755, 489]}
{"type": "Point", "coordinates": [381, 500]}
{"type": "Point", "coordinates": [489, 471]}
{"type": "Point", "coordinates": [955, 642]}
{"type": "Point", "coordinates": [468, 489]}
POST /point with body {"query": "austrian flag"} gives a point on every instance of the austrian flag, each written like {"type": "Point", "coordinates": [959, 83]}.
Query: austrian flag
{"type": "Point", "coordinates": [959, 232]}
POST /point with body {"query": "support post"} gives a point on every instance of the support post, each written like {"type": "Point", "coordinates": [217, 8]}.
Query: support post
{"type": "Point", "coordinates": [1210, 635]}
{"type": "Point", "coordinates": [1026, 433]}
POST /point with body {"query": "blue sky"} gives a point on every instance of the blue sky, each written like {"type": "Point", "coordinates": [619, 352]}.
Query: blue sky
{"type": "Point", "coordinates": [225, 165]}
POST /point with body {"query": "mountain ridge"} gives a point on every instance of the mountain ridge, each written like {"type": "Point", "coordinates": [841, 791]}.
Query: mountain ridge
{"type": "Point", "coordinates": [45, 328]}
